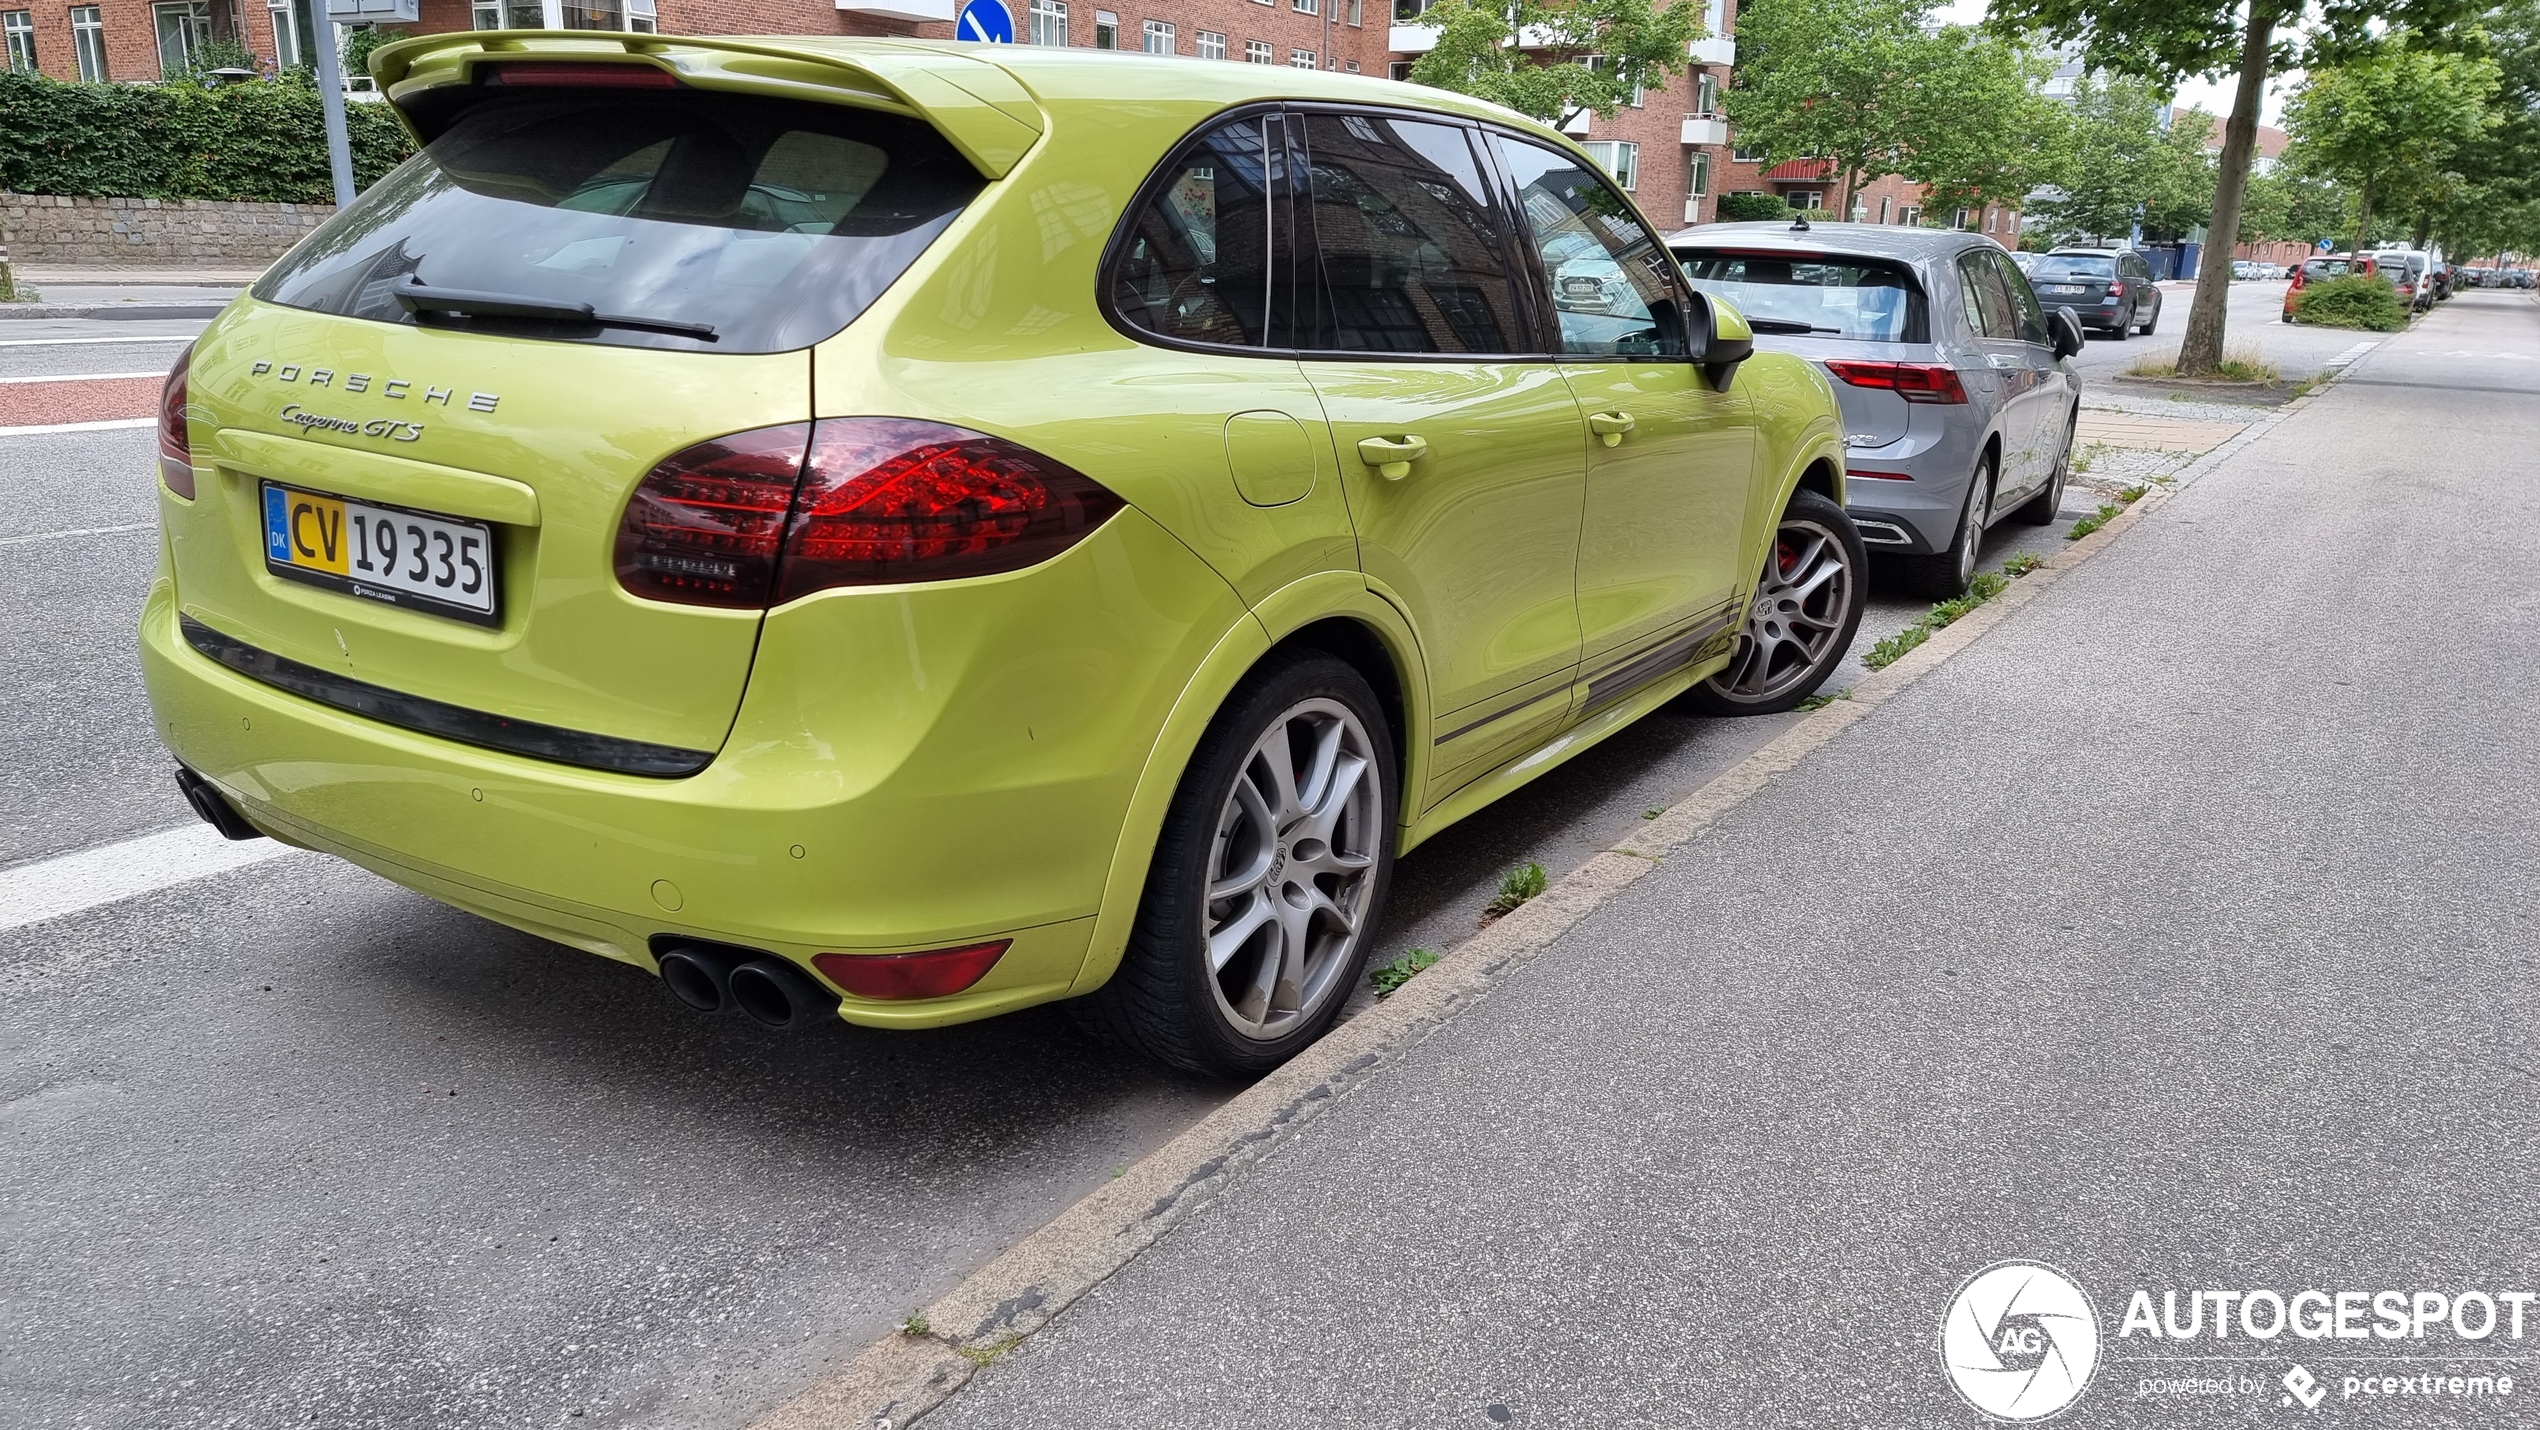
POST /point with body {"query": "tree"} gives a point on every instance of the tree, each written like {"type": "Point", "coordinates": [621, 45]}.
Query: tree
{"type": "Point", "coordinates": [2180, 196]}
{"type": "Point", "coordinates": [2112, 153]}
{"type": "Point", "coordinates": [2389, 122]}
{"type": "Point", "coordinates": [1977, 130]}
{"type": "Point", "coordinates": [2166, 41]}
{"type": "Point", "coordinates": [1554, 59]}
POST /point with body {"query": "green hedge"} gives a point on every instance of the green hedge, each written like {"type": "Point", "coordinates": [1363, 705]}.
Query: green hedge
{"type": "Point", "coordinates": [1753, 208]}
{"type": "Point", "coordinates": [2352, 302]}
{"type": "Point", "coordinates": [263, 141]}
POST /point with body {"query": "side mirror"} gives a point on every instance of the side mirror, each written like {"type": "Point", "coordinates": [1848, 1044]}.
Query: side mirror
{"type": "Point", "coordinates": [1729, 342]}
{"type": "Point", "coordinates": [2065, 330]}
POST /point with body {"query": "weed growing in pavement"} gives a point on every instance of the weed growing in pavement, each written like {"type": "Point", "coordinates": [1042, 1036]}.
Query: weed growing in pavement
{"type": "Point", "coordinates": [2131, 495]}
{"type": "Point", "coordinates": [1984, 588]}
{"type": "Point", "coordinates": [1651, 813]}
{"type": "Point", "coordinates": [2092, 522]}
{"type": "Point", "coordinates": [1516, 887]}
{"type": "Point", "coordinates": [915, 1327]}
{"type": "Point", "coordinates": [1397, 973]}
{"type": "Point", "coordinates": [982, 1355]}
{"type": "Point", "coordinates": [1821, 700]}
{"type": "Point", "coordinates": [2087, 455]}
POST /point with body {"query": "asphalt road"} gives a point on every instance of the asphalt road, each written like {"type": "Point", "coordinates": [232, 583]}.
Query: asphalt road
{"type": "Point", "coordinates": [293, 1142]}
{"type": "Point", "coordinates": [2178, 934]}
{"type": "Point", "coordinates": [2254, 316]}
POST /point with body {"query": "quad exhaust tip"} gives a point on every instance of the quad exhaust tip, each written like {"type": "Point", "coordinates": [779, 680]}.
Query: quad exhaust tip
{"type": "Point", "coordinates": [214, 807]}
{"type": "Point", "coordinates": [719, 977]}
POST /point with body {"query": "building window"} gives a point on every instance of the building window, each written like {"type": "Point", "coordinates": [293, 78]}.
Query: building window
{"type": "Point", "coordinates": [1302, 60]}
{"type": "Point", "coordinates": [1960, 220]}
{"type": "Point", "coordinates": [643, 17]}
{"type": "Point", "coordinates": [1399, 70]}
{"type": "Point", "coordinates": [1806, 199]}
{"type": "Point", "coordinates": [1257, 52]}
{"type": "Point", "coordinates": [291, 30]}
{"type": "Point", "coordinates": [1887, 207]}
{"type": "Point", "coordinates": [1706, 94]}
{"type": "Point", "coordinates": [487, 14]}
{"type": "Point", "coordinates": [88, 42]}
{"type": "Point", "coordinates": [1744, 155]}
{"type": "Point", "coordinates": [1698, 176]}
{"type": "Point", "coordinates": [182, 27]}
{"type": "Point", "coordinates": [1350, 65]}
{"type": "Point", "coordinates": [17, 29]}
{"type": "Point", "coordinates": [1049, 22]}
{"type": "Point", "coordinates": [1619, 159]}
{"type": "Point", "coordinates": [1158, 37]}
{"type": "Point", "coordinates": [1356, 20]}
{"type": "Point", "coordinates": [1406, 11]}
{"type": "Point", "coordinates": [1106, 30]}
{"type": "Point", "coordinates": [1212, 45]}
{"type": "Point", "coordinates": [1307, 7]}
{"type": "Point", "coordinates": [1910, 218]}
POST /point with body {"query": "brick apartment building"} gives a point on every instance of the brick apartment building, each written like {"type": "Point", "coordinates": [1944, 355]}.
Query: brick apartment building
{"type": "Point", "coordinates": [1673, 149]}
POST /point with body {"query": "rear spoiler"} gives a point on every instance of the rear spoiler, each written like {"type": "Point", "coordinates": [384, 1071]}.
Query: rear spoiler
{"type": "Point", "coordinates": [983, 110]}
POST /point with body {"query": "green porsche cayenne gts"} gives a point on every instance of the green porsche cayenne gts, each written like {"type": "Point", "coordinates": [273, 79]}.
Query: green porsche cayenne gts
{"type": "Point", "coordinates": [905, 531]}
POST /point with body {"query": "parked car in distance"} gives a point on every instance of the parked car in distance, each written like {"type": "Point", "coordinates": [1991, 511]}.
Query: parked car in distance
{"type": "Point", "coordinates": [709, 508]}
{"type": "Point", "coordinates": [1958, 407]}
{"type": "Point", "coordinates": [2325, 267]}
{"type": "Point", "coordinates": [2107, 289]}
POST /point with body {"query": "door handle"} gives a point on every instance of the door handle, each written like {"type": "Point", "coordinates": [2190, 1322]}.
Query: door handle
{"type": "Point", "coordinates": [1392, 456]}
{"type": "Point", "coordinates": [1610, 426]}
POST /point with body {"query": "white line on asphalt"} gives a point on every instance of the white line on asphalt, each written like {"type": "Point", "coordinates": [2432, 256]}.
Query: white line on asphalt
{"type": "Point", "coordinates": [79, 531]}
{"type": "Point", "coordinates": [56, 888]}
{"type": "Point", "coordinates": [119, 422]}
{"type": "Point", "coordinates": [74, 342]}
{"type": "Point", "coordinates": [85, 377]}
{"type": "Point", "coordinates": [2351, 354]}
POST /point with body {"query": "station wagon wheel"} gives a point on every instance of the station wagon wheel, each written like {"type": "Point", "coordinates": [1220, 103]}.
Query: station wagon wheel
{"type": "Point", "coordinates": [1945, 574]}
{"type": "Point", "coordinates": [1807, 606]}
{"type": "Point", "coordinates": [1269, 877]}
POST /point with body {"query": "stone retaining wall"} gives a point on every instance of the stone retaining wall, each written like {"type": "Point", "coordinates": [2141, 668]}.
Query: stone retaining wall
{"type": "Point", "coordinates": [49, 228]}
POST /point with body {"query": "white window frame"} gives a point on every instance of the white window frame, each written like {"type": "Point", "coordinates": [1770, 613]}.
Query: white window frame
{"type": "Point", "coordinates": [482, 15]}
{"type": "Point", "coordinates": [17, 40]}
{"type": "Point", "coordinates": [1357, 18]}
{"type": "Point", "coordinates": [1304, 60]}
{"type": "Point", "coordinates": [1706, 95]}
{"type": "Point", "coordinates": [1698, 175]}
{"type": "Point", "coordinates": [1619, 158]}
{"type": "Point", "coordinates": [1106, 30]}
{"type": "Point", "coordinates": [1048, 21]}
{"type": "Point", "coordinates": [1307, 7]}
{"type": "Point", "coordinates": [1887, 208]}
{"type": "Point", "coordinates": [1156, 36]}
{"type": "Point", "coordinates": [1258, 52]}
{"type": "Point", "coordinates": [1212, 44]}
{"type": "Point", "coordinates": [88, 42]}
{"type": "Point", "coordinates": [193, 26]}
{"type": "Point", "coordinates": [643, 17]}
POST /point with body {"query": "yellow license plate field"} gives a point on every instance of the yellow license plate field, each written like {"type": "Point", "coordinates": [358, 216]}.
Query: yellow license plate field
{"type": "Point", "coordinates": [440, 564]}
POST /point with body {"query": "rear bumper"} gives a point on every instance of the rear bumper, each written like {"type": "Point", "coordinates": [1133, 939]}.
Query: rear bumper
{"type": "Point", "coordinates": [990, 807]}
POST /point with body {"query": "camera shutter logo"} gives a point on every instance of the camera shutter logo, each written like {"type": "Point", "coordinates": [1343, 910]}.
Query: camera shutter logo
{"type": "Point", "coordinates": [2019, 1341]}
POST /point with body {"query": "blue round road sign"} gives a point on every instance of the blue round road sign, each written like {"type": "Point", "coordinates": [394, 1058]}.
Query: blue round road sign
{"type": "Point", "coordinates": [986, 21]}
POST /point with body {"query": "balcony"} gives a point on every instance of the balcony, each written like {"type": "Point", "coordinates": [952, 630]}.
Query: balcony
{"type": "Point", "coordinates": [1718, 50]}
{"type": "Point", "coordinates": [1411, 39]}
{"type": "Point", "coordinates": [1707, 130]}
{"type": "Point", "coordinates": [939, 11]}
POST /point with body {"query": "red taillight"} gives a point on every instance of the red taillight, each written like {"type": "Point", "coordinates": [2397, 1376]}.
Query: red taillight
{"type": "Point", "coordinates": [176, 446]}
{"type": "Point", "coordinates": [2117, 289]}
{"type": "Point", "coordinates": [1879, 476]}
{"type": "Point", "coordinates": [707, 525]}
{"type": "Point", "coordinates": [759, 518]}
{"type": "Point", "coordinates": [1913, 381]}
{"type": "Point", "coordinates": [586, 76]}
{"type": "Point", "coordinates": [887, 500]}
{"type": "Point", "coordinates": [939, 974]}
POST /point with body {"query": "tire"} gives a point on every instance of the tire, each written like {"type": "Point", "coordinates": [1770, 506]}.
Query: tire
{"type": "Point", "coordinates": [2154, 322]}
{"type": "Point", "coordinates": [1801, 620]}
{"type": "Point", "coordinates": [2043, 508]}
{"type": "Point", "coordinates": [2124, 327]}
{"type": "Point", "coordinates": [1293, 947]}
{"type": "Point", "coordinates": [1946, 574]}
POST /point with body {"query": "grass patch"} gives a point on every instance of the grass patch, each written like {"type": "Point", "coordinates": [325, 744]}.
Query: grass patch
{"type": "Point", "coordinates": [915, 1327]}
{"type": "Point", "coordinates": [1984, 588]}
{"type": "Point", "coordinates": [983, 1355]}
{"type": "Point", "coordinates": [2241, 362]}
{"type": "Point", "coordinates": [1651, 813]}
{"type": "Point", "coordinates": [2130, 495]}
{"type": "Point", "coordinates": [1516, 887]}
{"type": "Point", "coordinates": [1399, 972]}
{"type": "Point", "coordinates": [2083, 459]}
{"type": "Point", "coordinates": [1821, 700]}
{"type": "Point", "coordinates": [2092, 522]}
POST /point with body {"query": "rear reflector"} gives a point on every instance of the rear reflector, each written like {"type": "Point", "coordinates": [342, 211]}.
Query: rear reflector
{"type": "Point", "coordinates": [1913, 381]}
{"type": "Point", "coordinates": [586, 76]}
{"type": "Point", "coordinates": [176, 446]}
{"type": "Point", "coordinates": [900, 976]}
{"type": "Point", "coordinates": [1878, 476]}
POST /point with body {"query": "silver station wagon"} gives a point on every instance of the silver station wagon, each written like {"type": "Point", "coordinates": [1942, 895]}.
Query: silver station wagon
{"type": "Point", "coordinates": [1958, 407]}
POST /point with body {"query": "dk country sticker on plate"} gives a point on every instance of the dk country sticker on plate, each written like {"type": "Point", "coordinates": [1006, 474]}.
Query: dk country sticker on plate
{"type": "Point", "coordinates": [405, 558]}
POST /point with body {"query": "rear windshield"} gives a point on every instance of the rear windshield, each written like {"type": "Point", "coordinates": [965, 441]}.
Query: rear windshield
{"type": "Point", "coordinates": [725, 222]}
{"type": "Point", "coordinates": [1856, 298]}
{"type": "Point", "coordinates": [2074, 265]}
{"type": "Point", "coordinates": [2319, 268]}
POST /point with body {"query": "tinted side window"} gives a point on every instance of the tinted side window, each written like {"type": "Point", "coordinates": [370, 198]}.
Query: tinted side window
{"type": "Point", "coordinates": [1611, 282]}
{"type": "Point", "coordinates": [2032, 318]}
{"type": "Point", "coordinates": [1410, 249]}
{"type": "Point", "coordinates": [1988, 302]}
{"type": "Point", "coordinates": [1195, 265]}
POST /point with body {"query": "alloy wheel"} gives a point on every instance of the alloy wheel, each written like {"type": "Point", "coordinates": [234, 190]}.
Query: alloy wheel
{"type": "Point", "coordinates": [1801, 608]}
{"type": "Point", "coordinates": [1971, 540]}
{"type": "Point", "coordinates": [1293, 869]}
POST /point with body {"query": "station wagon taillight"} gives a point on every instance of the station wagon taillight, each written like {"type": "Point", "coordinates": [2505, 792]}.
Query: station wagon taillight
{"type": "Point", "coordinates": [176, 445]}
{"type": "Point", "coordinates": [1935, 382]}
{"type": "Point", "coordinates": [762, 517]}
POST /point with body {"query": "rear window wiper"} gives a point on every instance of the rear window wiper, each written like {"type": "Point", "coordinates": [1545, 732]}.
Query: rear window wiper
{"type": "Point", "coordinates": [424, 298]}
{"type": "Point", "coordinates": [1785, 325]}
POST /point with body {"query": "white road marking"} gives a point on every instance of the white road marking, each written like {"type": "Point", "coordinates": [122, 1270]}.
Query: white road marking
{"type": "Point", "coordinates": [75, 342]}
{"type": "Point", "coordinates": [110, 873]}
{"type": "Point", "coordinates": [114, 425]}
{"type": "Point", "coordinates": [2350, 355]}
{"type": "Point", "coordinates": [79, 531]}
{"type": "Point", "coordinates": [85, 377]}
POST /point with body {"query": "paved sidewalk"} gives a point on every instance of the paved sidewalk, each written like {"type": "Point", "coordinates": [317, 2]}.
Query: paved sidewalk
{"type": "Point", "coordinates": [2247, 1003]}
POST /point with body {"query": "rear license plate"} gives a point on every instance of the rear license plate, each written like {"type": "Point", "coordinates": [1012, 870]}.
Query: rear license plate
{"type": "Point", "coordinates": [2059, 288]}
{"type": "Point", "coordinates": [406, 558]}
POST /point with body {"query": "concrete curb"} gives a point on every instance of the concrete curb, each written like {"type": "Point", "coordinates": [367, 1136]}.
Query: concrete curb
{"type": "Point", "coordinates": [901, 1377]}
{"type": "Point", "coordinates": [111, 311]}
